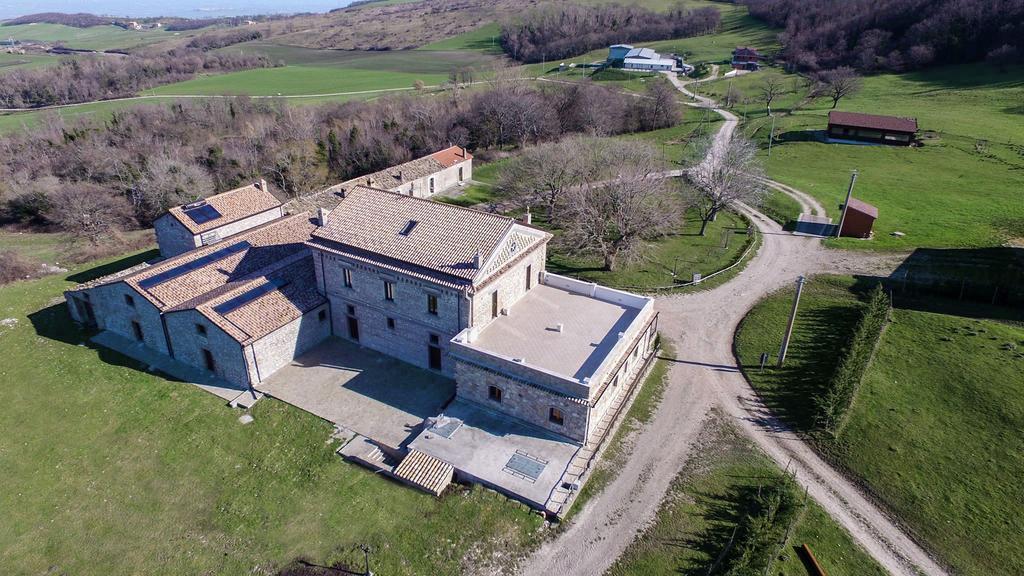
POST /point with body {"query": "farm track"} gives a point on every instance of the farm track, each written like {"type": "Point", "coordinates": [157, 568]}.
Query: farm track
{"type": "Point", "coordinates": [705, 376]}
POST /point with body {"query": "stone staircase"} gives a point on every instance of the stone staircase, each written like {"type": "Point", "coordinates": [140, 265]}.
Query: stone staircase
{"type": "Point", "coordinates": [425, 472]}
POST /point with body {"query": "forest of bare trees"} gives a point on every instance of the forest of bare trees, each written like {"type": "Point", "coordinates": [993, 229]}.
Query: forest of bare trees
{"type": "Point", "coordinates": [552, 33]}
{"type": "Point", "coordinates": [90, 78]}
{"type": "Point", "coordinates": [93, 178]}
{"type": "Point", "coordinates": [894, 34]}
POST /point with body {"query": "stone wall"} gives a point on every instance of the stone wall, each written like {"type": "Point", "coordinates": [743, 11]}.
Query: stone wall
{"type": "Point", "coordinates": [172, 237]}
{"type": "Point", "coordinates": [636, 356]}
{"type": "Point", "coordinates": [511, 286]}
{"type": "Point", "coordinates": [518, 399]}
{"type": "Point", "coordinates": [115, 314]}
{"type": "Point", "coordinates": [280, 347]}
{"type": "Point", "coordinates": [410, 338]}
{"type": "Point", "coordinates": [240, 226]}
{"type": "Point", "coordinates": [446, 178]}
{"type": "Point", "coordinates": [188, 344]}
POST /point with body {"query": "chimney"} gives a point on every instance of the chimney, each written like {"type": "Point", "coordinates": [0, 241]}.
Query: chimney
{"type": "Point", "coordinates": [399, 175]}
{"type": "Point", "coordinates": [462, 151]}
{"type": "Point", "coordinates": [321, 218]}
{"type": "Point", "coordinates": [559, 327]}
{"type": "Point", "coordinates": [262, 184]}
{"type": "Point", "coordinates": [527, 218]}
{"type": "Point", "coordinates": [476, 260]}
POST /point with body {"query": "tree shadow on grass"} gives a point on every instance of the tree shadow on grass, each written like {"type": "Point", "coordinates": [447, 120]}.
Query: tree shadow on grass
{"type": "Point", "coordinates": [722, 513]}
{"type": "Point", "coordinates": [304, 567]}
{"type": "Point", "coordinates": [791, 391]}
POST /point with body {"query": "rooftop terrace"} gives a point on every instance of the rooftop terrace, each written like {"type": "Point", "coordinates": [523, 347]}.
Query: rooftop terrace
{"type": "Point", "coordinates": [563, 326]}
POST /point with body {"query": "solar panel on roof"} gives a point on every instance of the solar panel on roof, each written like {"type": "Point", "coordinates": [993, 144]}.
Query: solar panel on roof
{"type": "Point", "coordinates": [194, 265]}
{"type": "Point", "coordinates": [248, 296]}
{"type": "Point", "coordinates": [202, 214]}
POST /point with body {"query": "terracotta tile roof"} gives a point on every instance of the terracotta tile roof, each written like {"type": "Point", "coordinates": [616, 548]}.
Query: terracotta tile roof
{"type": "Point", "coordinates": [445, 239]}
{"type": "Point", "coordinates": [391, 178]}
{"type": "Point", "coordinates": [250, 253]}
{"type": "Point", "coordinates": [266, 303]}
{"type": "Point", "coordinates": [451, 156]}
{"type": "Point", "coordinates": [872, 121]}
{"type": "Point", "coordinates": [863, 207]}
{"type": "Point", "coordinates": [232, 206]}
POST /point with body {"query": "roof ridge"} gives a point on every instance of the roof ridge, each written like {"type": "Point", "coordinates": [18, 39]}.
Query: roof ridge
{"type": "Point", "coordinates": [445, 205]}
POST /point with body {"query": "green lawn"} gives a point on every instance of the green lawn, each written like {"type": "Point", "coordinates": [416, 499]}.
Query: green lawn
{"type": "Point", "coordinates": [486, 39]}
{"type": "Point", "coordinates": [963, 188]}
{"type": "Point", "coordinates": [150, 472]}
{"type": "Point", "coordinates": [685, 253]}
{"type": "Point", "coordinates": [934, 430]}
{"type": "Point", "coordinates": [702, 507]}
{"type": "Point", "coordinates": [107, 37]}
{"type": "Point", "coordinates": [23, 61]}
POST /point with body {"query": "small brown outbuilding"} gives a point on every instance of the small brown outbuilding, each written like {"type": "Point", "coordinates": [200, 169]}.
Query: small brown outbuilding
{"type": "Point", "coordinates": [859, 219]}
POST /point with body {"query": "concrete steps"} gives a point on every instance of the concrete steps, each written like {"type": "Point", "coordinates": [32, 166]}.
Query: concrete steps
{"type": "Point", "coordinates": [425, 472]}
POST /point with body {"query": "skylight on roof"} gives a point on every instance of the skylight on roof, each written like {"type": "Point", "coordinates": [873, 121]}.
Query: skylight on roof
{"type": "Point", "coordinates": [201, 214]}
{"type": "Point", "coordinates": [409, 227]}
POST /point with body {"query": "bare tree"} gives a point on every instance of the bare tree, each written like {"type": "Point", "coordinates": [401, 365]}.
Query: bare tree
{"type": "Point", "coordinates": [840, 83]}
{"type": "Point", "coordinates": [770, 88]}
{"type": "Point", "coordinates": [733, 96]}
{"type": "Point", "coordinates": [88, 212]}
{"type": "Point", "coordinates": [168, 182]}
{"type": "Point", "coordinates": [729, 173]}
{"type": "Point", "coordinates": [613, 217]}
{"type": "Point", "coordinates": [542, 174]}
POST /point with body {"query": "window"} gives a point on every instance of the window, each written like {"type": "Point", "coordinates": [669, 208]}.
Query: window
{"type": "Point", "coordinates": [434, 339]}
{"type": "Point", "coordinates": [322, 315]}
{"type": "Point", "coordinates": [555, 416]}
{"type": "Point", "coordinates": [460, 173]}
{"type": "Point", "coordinates": [350, 310]}
{"type": "Point", "coordinates": [346, 274]}
{"type": "Point", "coordinates": [529, 276]}
{"type": "Point", "coordinates": [201, 329]}
{"type": "Point", "coordinates": [431, 185]}
{"type": "Point", "coordinates": [208, 360]}
{"type": "Point", "coordinates": [389, 291]}
{"type": "Point", "coordinates": [432, 304]}
{"type": "Point", "coordinates": [137, 331]}
{"type": "Point", "coordinates": [129, 300]}
{"type": "Point", "coordinates": [635, 351]}
{"type": "Point", "coordinates": [391, 323]}
{"type": "Point", "coordinates": [494, 393]}
{"type": "Point", "coordinates": [494, 304]}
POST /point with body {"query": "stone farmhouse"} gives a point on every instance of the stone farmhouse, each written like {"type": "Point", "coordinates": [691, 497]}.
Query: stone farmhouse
{"type": "Point", "coordinates": [541, 363]}
{"type": "Point", "coordinates": [187, 227]}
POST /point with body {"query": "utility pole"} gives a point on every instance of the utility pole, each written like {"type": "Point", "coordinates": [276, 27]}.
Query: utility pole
{"type": "Point", "coordinates": [771, 136]}
{"type": "Point", "coordinates": [846, 205]}
{"type": "Point", "coordinates": [792, 318]}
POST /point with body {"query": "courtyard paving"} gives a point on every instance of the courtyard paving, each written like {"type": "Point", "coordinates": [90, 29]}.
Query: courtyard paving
{"type": "Point", "coordinates": [364, 391]}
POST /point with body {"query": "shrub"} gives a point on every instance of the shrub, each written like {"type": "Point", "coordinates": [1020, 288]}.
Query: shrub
{"type": "Point", "coordinates": [14, 266]}
{"type": "Point", "coordinates": [767, 513]}
{"type": "Point", "coordinates": [842, 388]}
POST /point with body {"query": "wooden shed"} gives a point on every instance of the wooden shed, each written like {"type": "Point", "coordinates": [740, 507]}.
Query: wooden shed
{"type": "Point", "coordinates": [859, 219]}
{"type": "Point", "coordinates": [871, 128]}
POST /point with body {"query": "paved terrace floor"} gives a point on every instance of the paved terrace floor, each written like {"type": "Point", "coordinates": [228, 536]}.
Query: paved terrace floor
{"type": "Point", "coordinates": [485, 442]}
{"type": "Point", "coordinates": [590, 331]}
{"type": "Point", "coordinates": [367, 392]}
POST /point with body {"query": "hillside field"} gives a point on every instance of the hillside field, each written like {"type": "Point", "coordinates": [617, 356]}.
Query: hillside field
{"type": "Point", "coordinates": [934, 428]}
{"type": "Point", "coordinates": [964, 187]}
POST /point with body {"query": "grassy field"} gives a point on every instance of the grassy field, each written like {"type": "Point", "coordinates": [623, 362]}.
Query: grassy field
{"type": "Point", "coordinates": [93, 38]}
{"type": "Point", "coordinates": [22, 61]}
{"type": "Point", "coordinates": [486, 39]}
{"type": "Point", "coordinates": [702, 508]}
{"type": "Point", "coordinates": [685, 253]}
{"type": "Point", "coordinates": [150, 472]}
{"type": "Point", "coordinates": [934, 430]}
{"type": "Point", "coordinates": [963, 188]}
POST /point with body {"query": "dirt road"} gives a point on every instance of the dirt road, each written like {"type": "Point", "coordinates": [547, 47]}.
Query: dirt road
{"type": "Point", "coordinates": [705, 375]}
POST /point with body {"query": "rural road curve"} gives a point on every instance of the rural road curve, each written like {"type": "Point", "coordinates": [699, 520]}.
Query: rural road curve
{"type": "Point", "coordinates": [705, 376]}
